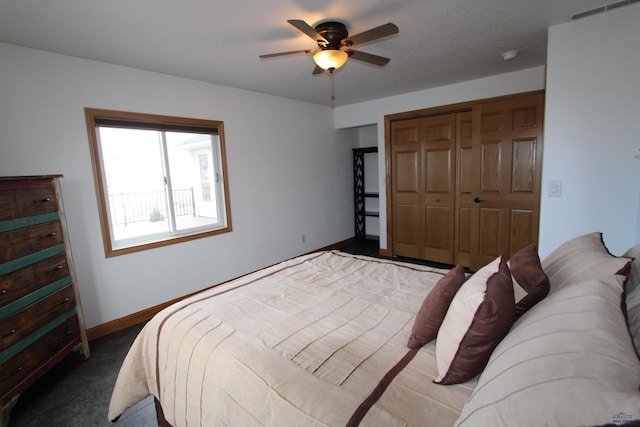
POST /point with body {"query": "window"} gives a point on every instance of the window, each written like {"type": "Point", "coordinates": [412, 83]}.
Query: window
{"type": "Point", "coordinates": [160, 180]}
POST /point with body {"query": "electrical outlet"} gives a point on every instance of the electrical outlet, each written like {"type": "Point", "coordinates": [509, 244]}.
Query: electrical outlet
{"type": "Point", "coordinates": [555, 188]}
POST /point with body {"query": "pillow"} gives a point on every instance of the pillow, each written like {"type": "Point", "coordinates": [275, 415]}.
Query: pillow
{"type": "Point", "coordinates": [582, 258]}
{"type": "Point", "coordinates": [530, 283]}
{"type": "Point", "coordinates": [434, 307]}
{"type": "Point", "coordinates": [480, 315]}
{"type": "Point", "coordinates": [632, 291]}
{"type": "Point", "coordinates": [566, 362]}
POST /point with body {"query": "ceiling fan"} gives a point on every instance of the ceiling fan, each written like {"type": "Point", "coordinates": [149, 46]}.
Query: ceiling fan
{"type": "Point", "coordinates": [331, 37]}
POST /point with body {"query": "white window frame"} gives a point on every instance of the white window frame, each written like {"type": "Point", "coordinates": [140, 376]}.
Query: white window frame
{"type": "Point", "coordinates": [97, 118]}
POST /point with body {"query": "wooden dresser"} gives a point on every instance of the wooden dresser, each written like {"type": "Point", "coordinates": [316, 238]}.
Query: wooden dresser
{"type": "Point", "coordinates": [41, 319]}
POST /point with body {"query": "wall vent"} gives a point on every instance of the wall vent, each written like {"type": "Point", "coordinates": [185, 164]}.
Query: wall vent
{"type": "Point", "coordinates": [602, 9]}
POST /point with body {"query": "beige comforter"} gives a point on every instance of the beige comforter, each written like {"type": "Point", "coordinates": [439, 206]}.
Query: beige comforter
{"type": "Point", "coordinates": [301, 343]}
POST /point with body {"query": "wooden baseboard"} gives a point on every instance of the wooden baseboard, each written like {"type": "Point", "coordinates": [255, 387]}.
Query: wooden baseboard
{"type": "Point", "coordinates": [386, 252]}
{"type": "Point", "coordinates": [127, 321]}
{"type": "Point", "coordinates": [146, 314]}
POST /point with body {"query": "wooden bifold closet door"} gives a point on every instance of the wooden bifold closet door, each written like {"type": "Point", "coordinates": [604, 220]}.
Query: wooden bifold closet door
{"type": "Point", "coordinates": [507, 146]}
{"type": "Point", "coordinates": [465, 185]}
{"type": "Point", "coordinates": [423, 156]}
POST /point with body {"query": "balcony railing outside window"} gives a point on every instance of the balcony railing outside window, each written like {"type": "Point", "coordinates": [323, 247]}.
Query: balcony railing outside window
{"type": "Point", "coordinates": [128, 208]}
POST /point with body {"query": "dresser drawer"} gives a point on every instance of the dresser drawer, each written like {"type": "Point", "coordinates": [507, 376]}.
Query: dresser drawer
{"type": "Point", "coordinates": [24, 322]}
{"type": "Point", "coordinates": [24, 241]}
{"type": "Point", "coordinates": [26, 202]}
{"type": "Point", "coordinates": [41, 319]}
{"type": "Point", "coordinates": [18, 367]}
{"type": "Point", "coordinates": [21, 282]}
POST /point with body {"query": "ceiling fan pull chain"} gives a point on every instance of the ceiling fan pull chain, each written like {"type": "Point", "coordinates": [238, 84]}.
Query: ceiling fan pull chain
{"type": "Point", "coordinates": [333, 87]}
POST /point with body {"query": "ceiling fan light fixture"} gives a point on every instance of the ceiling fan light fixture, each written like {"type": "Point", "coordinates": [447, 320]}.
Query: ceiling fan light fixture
{"type": "Point", "coordinates": [330, 58]}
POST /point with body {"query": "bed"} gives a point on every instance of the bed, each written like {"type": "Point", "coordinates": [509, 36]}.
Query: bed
{"type": "Point", "coordinates": [322, 340]}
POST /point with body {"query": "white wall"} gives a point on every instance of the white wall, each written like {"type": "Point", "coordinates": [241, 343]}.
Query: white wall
{"type": "Point", "coordinates": [287, 173]}
{"type": "Point", "coordinates": [592, 130]}
{"type": "Point", "coordinates": [373, 112]}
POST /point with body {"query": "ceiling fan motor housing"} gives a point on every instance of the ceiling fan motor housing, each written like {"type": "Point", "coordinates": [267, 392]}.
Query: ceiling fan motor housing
{"type": "Point", "coordinates": [333, 32]}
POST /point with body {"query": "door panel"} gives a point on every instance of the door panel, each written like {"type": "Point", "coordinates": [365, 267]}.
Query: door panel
{"type": "Point", "coordinates": [437, 239]}
{"type": "Point", "coordinates": [526, 117]}
{"type": "Point", "coordinates": [406, 188]}
{"type": "Point", "coordinates": [464, 233]}
{"type": "Point", "coordinates": [523, 165]}
{"type": "Point", "coordinates": [490, 226]}
{"type": "Point", "coordinates": [405, 177]}
{"type": "Point", "coordinates": [490, 166]}
{"type": "Point", "coordinates": [464, 188]}
{"type": "Point", "coordinates": [423, 171]}
{"type": "Point", "coordinates": [438, 177]}
{"type": "Point", "coordinates": [507, 145]}
{"type": "Point", "coordinates": [521, 232]}
{"type": "Point", "coordinates": [439, 149]}
{"type": "Point", "coordinates": [405, 232]}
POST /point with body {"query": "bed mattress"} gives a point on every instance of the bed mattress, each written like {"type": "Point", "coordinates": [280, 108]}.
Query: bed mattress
{"type": "Point", "coordinates": [318, 340]}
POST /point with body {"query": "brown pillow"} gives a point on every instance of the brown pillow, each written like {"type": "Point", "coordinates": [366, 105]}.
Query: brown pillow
{"type": "Point", "coordinates": [435, 306]}
{"type": "Point", "coordinates": [530, 283]}
{"type": "Point", "coordinates": [480, 315]}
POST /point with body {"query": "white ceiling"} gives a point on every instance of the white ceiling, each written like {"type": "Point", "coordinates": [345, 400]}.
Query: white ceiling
{"type": "Point", "coordinates": [440, 41]}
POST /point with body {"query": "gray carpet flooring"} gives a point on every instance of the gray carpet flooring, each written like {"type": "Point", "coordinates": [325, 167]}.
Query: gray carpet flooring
{"type": "Point", "coordinates": [76, 392]}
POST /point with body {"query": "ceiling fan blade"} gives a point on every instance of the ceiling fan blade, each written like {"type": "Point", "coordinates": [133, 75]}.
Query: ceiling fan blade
{"type": "Point", "coordinates": [372, 34]}
{"type": "Point", "coordinates": [291, 52]}
{"type": "Point", "coordinates": [308, 30]}
{"type": "Point", "coordinates": [318, 70]}
{"type": "Point", "coordinates": [368, 57]}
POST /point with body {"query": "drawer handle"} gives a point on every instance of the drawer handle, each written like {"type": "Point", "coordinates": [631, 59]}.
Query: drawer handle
{"type": "Point", "coordinates": [54, 269]}
{"type": "Point", "coordinates": [52, 234]}
{"type": "Point", "coordinates": [8, 334]}
{"type": "Point", "coordinates": [67, 333]}
{"type": "Point", "coordinates": [17, 371]}
{"type": "Point", "coordinates": [45, 200]}
{"type": "Point", "coordinates": [64, 301]}
{"type": "Point", "coordinates": [4, 292]}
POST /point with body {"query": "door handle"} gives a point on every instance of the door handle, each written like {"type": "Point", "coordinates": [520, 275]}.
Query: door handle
{"type": "Point", "coordinates": [477, 199]}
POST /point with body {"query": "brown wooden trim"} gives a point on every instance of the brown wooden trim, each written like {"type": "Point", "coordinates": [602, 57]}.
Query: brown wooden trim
{"type": "Point", "coordinates": [92, 116]}
{"type": "Point", "coordinates": [127, 321]}
{"type": "Point", "coordinates": [386, 252]}
{"type": "Point", "coordinates": [452, 108]}
{"type": "Point", "coordinates": [146, 314]}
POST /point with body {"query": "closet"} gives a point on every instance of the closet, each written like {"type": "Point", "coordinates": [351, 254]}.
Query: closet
{"type": "Point", "coordinates": [463, 181]}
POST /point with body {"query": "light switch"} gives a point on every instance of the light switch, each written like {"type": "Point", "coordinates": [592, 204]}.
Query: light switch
{"type": "Point", "coordinates": [555, 188]}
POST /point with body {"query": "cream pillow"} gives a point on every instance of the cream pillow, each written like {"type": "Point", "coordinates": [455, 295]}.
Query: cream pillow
{"type": "Point", "coordinates": [479, 316]}
{"type": "Point", "coordinates": [582, 258]}
{"type": "Point", "coordinates": [567, 362]}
